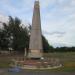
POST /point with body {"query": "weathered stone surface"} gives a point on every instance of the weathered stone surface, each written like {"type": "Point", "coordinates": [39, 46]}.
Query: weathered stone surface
{"type": "Point", "coordinates": [35, 46]}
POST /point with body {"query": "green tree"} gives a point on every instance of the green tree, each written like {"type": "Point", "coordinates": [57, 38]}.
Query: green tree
{"type": "Point", "coordinates": [17, 35]}
{"type": "Point", "coordinates": [3, 40]}
{"type": "Point", "coordinates": [46, 47]}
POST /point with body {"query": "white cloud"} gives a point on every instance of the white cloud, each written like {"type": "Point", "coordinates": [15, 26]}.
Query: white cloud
{"type": "Point", "coordinates": [46, 3]}
{"type": "Point", "coordinates": [56, 16]}
{"type": "Point", "coordinates": [3, 18]}
{"type": "Point", "coordinates": [61, 18]}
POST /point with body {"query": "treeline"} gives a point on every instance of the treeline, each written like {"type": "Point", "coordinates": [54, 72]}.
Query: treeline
{"type": "Point", "coordinates": [59, 49]}
{"type": "Point", "coordinates": [63, 49]}
{"type": "Point", "coordinates": [14, 36]}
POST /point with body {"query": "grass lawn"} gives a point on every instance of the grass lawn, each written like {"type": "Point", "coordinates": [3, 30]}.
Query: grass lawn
{"type": "Point", "coordinates": [67, 59]}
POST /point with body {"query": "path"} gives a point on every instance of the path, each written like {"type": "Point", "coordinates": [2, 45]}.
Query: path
{"type": "Point", "coordinates": [5, 72]}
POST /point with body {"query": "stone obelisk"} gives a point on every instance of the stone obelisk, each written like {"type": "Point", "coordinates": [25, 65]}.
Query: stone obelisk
{"type": "Point", "coordinates": [35, 45]}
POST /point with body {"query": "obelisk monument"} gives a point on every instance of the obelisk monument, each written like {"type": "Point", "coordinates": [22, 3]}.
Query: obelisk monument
{"type": "Point", "coordinates": [35, 45]}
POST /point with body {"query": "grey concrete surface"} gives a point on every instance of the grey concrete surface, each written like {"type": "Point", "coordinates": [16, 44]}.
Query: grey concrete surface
{"type": "Point", "coordinates": [24, 72]}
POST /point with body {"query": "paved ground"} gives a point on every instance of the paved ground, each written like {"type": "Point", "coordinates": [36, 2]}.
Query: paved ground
{"type": "Point", "coordinates": [5, 72]}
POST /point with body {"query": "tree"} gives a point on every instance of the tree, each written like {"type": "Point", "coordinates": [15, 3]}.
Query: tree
{"type": "Point", "coordinates": [3, 40]}
{"type": "Point", "coordinates": [46, 47]}
{"type": "Point", "coordinates": [17, 35]}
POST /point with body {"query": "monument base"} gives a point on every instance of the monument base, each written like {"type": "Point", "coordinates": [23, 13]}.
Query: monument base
{"type": "Point", "coordinates": [34, 54]}
{"type": "Point", "coordinates": [47, 63]}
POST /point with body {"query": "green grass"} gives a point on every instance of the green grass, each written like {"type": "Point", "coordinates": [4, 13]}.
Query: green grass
{"type": "Point", "coordinates": [4, 65]}
{"type": "Point", "coordinates": [67, 59]}
{"type": "Point", "coordinates": [4, 62]}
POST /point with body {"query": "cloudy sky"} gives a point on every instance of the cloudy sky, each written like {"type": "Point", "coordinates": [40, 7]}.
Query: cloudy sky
{"type": "Point", "coordinates": [57, 18]}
